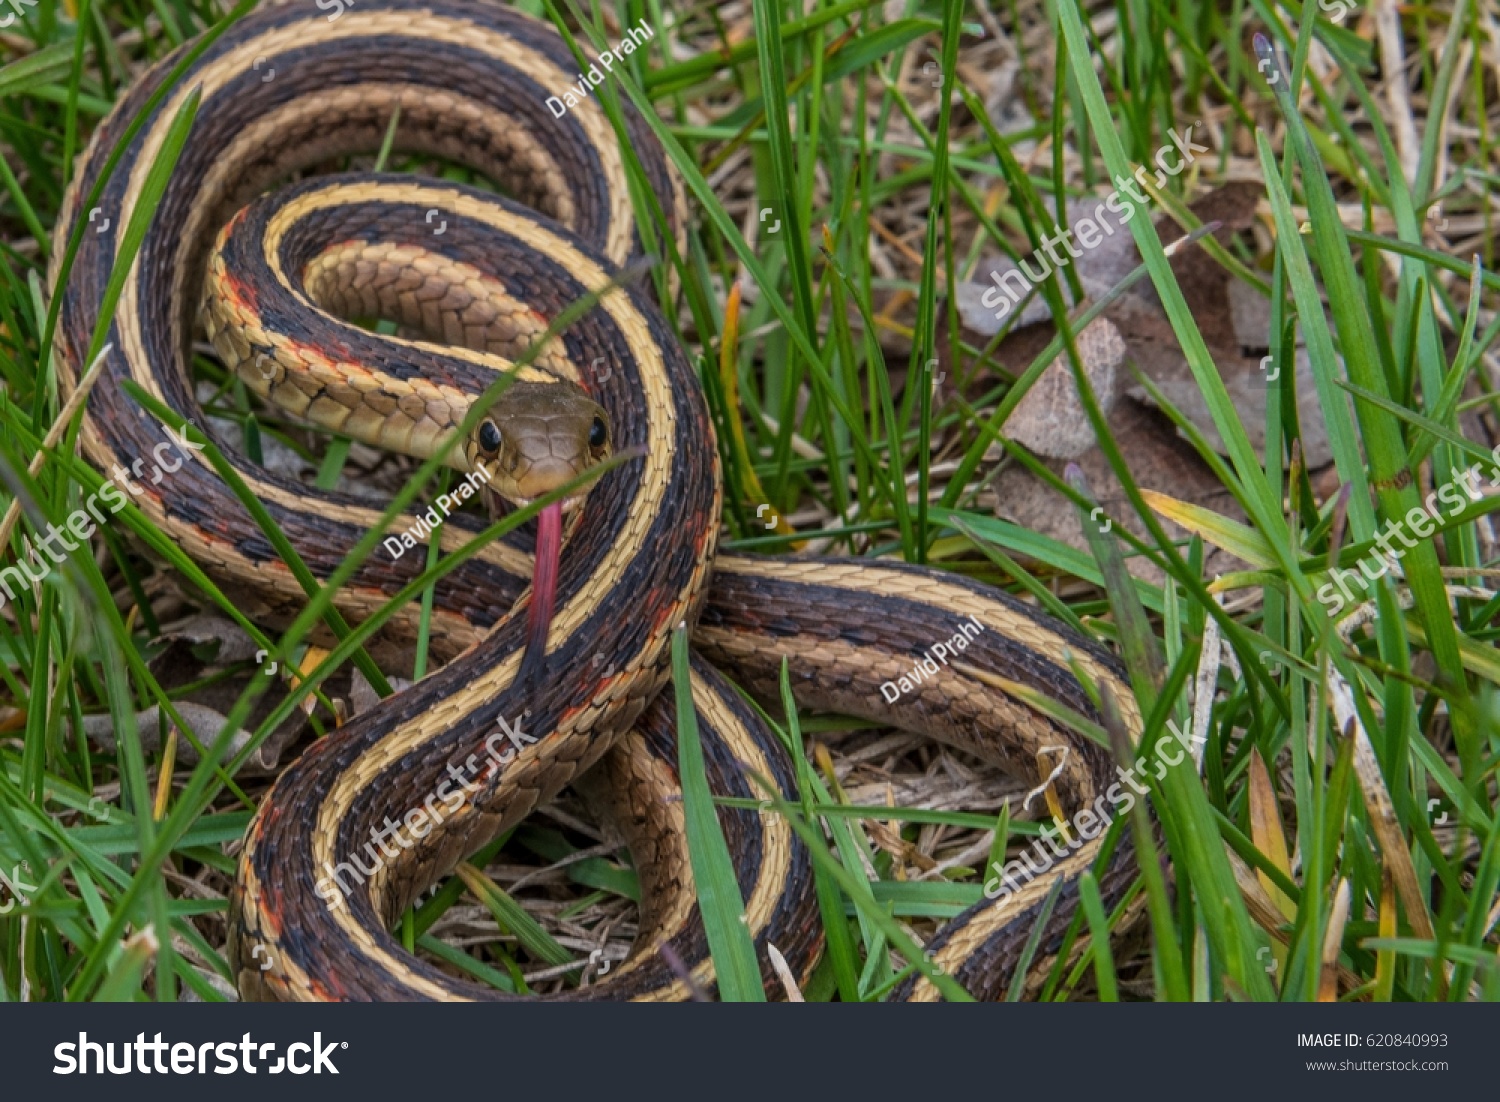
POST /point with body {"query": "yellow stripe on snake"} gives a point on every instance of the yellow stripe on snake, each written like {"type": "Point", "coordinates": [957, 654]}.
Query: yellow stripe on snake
{"type": "Point", "coordinates": [284, 273]}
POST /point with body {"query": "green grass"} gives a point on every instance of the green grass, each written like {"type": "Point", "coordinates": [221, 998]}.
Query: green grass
{"type": "Point", "coordinates": [887, 192]}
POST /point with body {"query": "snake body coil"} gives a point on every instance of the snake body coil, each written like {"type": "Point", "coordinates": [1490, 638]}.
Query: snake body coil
{"type": "Point", "coordinates": [470, 80]}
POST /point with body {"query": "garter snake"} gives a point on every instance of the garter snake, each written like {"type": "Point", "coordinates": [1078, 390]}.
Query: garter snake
{"type": "Point", "coordinates": [288, 89]}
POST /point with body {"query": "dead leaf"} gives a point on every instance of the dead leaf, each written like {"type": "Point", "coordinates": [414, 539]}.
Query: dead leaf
{"type": "Point", "coordinates": [1246, 381]}
{"type": "Point", "coordinates": [1050, 419]}
{"type": "Point", "coordinates": [1250, 317]}
{"type": "Point", "coordinates": [362, 695]}
{"type": "Point", "coordinates": [205, 725]}
{"type": "Point", "coordinates": [1157, 458]}
{"type": "Point", "coordinates": [1266, 832]}
{"type": "Point", "coordinates": [213, 639]}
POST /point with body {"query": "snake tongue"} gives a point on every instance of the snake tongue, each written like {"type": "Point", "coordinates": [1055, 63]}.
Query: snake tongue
{"type": "Point", "coordinates": [543, 588]}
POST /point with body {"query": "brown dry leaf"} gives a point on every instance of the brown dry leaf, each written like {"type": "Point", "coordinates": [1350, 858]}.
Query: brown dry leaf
{"type": "Point", "coordinates": [1234, 319]}
{"type": "Point", "coordinates": [311, 660]}
{"type": "Point", "coordinates": [1050, 419]}
{"type": "Point", "coordinates": [1099, 269]}
{"type": "Point", "coordinates": [213, 639]}
{"type": "Point", "coordinates": [197, 646]}
{"type": "Point", "coordinates": [1384, 821]}
{"type": "Point", "coordinates": [1250, 318]}
{"type": "Point", "coordinates": [362, 695]}
{"type": "Point", "coordinates": [205, 725]}
{"type": "Point", "coordinates": [1158, 459]}
{"type": "Point", "coordinates": [1247, 382]}
{"type": "Point", "coordinates": [1266, 832]}
{"type": "Point", "coordinates": [1333, 938]}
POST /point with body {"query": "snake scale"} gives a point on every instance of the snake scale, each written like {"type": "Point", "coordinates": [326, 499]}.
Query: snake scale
{"type": "Point", "coordinates": [286, 89]}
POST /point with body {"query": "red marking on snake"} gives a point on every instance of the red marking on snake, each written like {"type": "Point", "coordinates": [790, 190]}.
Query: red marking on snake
{"type": "Point", "coordinates": [241, 292]}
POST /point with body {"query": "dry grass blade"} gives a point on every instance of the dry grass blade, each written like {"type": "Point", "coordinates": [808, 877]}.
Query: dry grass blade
{"type": "Point", "coordinates": [1383, 818]}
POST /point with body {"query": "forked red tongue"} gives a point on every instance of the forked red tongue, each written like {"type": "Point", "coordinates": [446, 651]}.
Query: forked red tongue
{"type": "Point", "coordinates": [543, 590]}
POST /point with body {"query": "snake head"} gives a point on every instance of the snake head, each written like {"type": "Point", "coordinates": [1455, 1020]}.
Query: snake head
{"type": "Point", "coordinates": [538, 437]}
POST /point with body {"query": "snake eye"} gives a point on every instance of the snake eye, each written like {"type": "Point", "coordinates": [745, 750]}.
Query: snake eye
{"type": "Point", "coordinates": [489, 437]}
{"type": "Point", "coordinates": [598, 434]}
